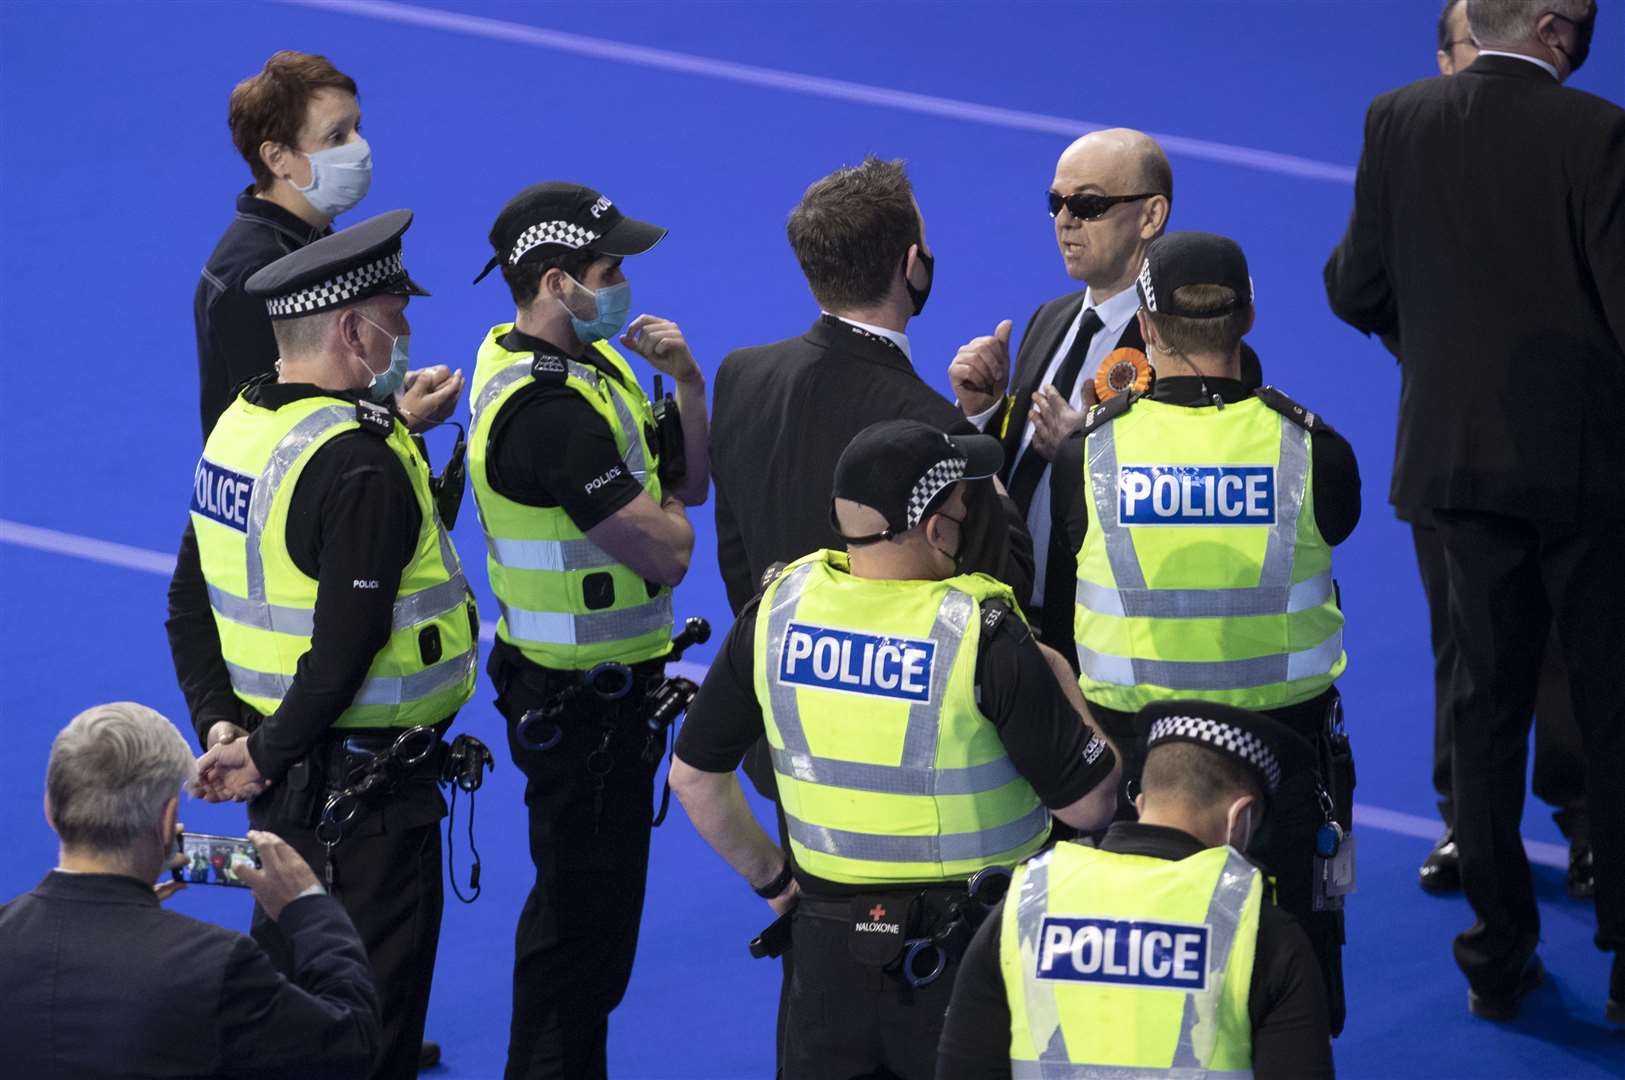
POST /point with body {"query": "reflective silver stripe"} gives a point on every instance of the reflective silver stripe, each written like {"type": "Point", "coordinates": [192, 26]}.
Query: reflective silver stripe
{"type": "Point", "coordinates": [1224, 919]}
{"type": "Point", "coordinates": [283, 458]}
{"type": "Point", "coordinates": [892, 780]}
{"type": "Point", "coordinates": [1212, 675]}
{"type": "Point", "coordinates": [1043, 1015]}
{"type": "Point", "coordinates": [917, 773]}
{"type": "Point", "coordinates": [1100, 461]}
{"type": "Point", "coordinates": [300, 622]}
{"type": "Point", "coordinates": [944, 847]}
{"type": "Point", "coordinates": [1063, 1070]}
{"type": "Point", "coordinates": [1275, 593]}
{"type": "Point", "coordinates": [555, 555]}
{"type": "Point", "coordinates": [495, 387]}
{"type": "Point", "coordinates": [1205, 603]}
{"type": "Point", "coordinates": [591, 628]}
{"type": "Point", "coordinates": [431, 603]}
{"type": "Point", "coordinates": [379, 690]}
{"type": "Point", "coordinates": [636, 463]}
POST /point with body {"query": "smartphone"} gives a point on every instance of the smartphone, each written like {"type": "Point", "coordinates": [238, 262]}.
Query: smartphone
{"type": "Point", "coordinates": [214, 860]}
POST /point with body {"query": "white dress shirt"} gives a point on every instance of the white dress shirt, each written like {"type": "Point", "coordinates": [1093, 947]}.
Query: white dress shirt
{"type": "Point", "coordinates": [896, 337]}
{"type": "Point", "coordinates": [1551, 69]}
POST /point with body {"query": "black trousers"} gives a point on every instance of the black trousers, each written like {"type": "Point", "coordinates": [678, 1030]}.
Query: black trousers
{"type": "Point", "coordinates": [589, 841]}
{"type": "Point", "coordinates": [1559, 772]}
{"type": "Point", "coordinates": [1511, 581]}
{"type": "Point", "coordinates": [1285, 844]}
{"type": "Point", "coordinates": [387, 874]}
{"type": "Point", "coordinates": [845, 1020]}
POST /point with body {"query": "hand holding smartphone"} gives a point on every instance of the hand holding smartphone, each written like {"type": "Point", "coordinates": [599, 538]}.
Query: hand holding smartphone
{"type": "Point", "coordinates": [214, 860]}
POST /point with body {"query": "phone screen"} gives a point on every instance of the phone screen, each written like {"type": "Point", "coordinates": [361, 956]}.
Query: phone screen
{"type": "Point", "coordinates": [215, 860]}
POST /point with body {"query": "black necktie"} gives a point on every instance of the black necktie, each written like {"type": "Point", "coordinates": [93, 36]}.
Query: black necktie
{"type": "Point", "coordinates": [1024, 481]}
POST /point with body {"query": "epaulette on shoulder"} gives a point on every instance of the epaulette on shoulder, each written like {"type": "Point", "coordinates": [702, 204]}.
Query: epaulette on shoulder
{"type": "Point", "coordinates": [770, 575]}
{"type": "Point", "coordinates": [1107, 411]}
{"type": "Point", "coordinates": [997, 616]}
{"type": "Point", "coordinates": [374, 417]}
{"type": "Point", "coordinates": [1304, 418]}
{"type": "Point", "coordinates": [547, 368]}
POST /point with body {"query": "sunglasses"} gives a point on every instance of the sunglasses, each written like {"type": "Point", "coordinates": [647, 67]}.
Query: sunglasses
{"type": "Point", "coordinates": [1090, 207]}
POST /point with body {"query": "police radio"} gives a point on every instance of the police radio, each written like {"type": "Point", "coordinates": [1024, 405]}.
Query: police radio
{"type": "Point", "coordinates": [669, 437]}
{"type": "Point", "coordinates": [448, 487]}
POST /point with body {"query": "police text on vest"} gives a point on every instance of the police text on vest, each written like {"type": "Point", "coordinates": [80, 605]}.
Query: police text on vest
{"type": "Point", "coordinates": [830, 659]}
{"type": "Point", "coordinates": [1196, 495]}
{"type": "Point", "coordinates": [222, 495]}
{"type": "Point", "coordinates": [1170, 956]}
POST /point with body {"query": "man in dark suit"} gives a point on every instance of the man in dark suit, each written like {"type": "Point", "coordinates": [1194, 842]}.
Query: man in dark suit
{"type": "Point", "coordinates": [1110, 198]}
{"type": "Point", "coordinates": [1488, 234]}
{"type": "Point", "coordinates": [782, 413]}
{"type": "Point", "coordinates": [97, 980]}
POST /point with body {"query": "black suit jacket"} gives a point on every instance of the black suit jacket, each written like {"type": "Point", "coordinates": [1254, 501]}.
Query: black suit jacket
{"type": "Point", "coordinates": [1488, 238]}
{"type": "Point", "coordinates": [98, 980]}
{"type": "Point", "coordinates": [781, 415]}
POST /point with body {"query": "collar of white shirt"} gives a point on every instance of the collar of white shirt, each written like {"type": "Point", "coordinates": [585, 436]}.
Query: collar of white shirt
{"type": "Point", "coordinates": [893, 336]}
{"type": "Point", "coordinates": [1551, 69]}
{"type": "Point", "coordinates": [1114, 313]}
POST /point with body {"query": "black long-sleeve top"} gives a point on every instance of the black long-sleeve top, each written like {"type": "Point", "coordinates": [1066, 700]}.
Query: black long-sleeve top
{"type": "Point", "coordinates": [1047, 742]}
{"type": "Point", "coordinates": [1336, 480]}
{"type": "Point", "coordinates": [1286, 999]}
{"type": "Point", "coordinates": [234, 340]}
{"type": "Point", "coordinates": [353, 525]}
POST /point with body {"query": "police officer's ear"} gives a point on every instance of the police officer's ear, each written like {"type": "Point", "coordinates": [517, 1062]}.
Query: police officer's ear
{"type": "Point", "coordinates": [1148, 331]}
{"type": "Point", "coordinates": [1252, 316]}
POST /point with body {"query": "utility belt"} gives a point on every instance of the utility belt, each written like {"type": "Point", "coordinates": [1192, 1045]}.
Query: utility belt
{"type": "Point", "coordinates": [902, 935]}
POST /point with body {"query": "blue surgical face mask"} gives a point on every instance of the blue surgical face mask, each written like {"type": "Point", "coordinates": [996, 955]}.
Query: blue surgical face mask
{"type": "Point", "coordinates": [339, 177]}
{"type": "Point", "coordinates": [384, 385]}
{"type": "Point", "coordinates": [613, 304]}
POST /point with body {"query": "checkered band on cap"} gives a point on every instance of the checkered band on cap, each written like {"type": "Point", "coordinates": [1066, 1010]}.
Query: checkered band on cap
{"type": "Point", "coordinates": [338, 290]}
{"type": "Point", "coordinates": [565, 233]}
{"type": "Point", "coordinates": [1224, 738]}
{"type": "Point", "coordinates": [937, 477]}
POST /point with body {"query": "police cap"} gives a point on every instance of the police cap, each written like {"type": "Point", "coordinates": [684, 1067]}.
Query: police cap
{"type": "Point", "coordinates": [904, 469]}
{"type": "Point", "coordinates": [1175, 260]}
{"type": "Point", "coordinates": [1266, 747]}
{"type": "Point", "coordinates": [552, 217]}
{"type": "Point", "coordinates": [340, 268]}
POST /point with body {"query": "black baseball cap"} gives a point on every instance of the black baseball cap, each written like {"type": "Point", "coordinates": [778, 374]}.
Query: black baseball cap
{"type": "Point", "coordinates": [1264, 746]}
{"type": "Point", "coordinates": [340, 268]}
{"type": "Point", "coordinates": [1175, 260]}
{"type": "Point", "coordinates": [549, 217]}
{"type": "Point", "coordinates": [905, 469]}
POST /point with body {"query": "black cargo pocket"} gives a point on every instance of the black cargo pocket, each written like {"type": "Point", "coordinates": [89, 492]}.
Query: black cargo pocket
{"type": "Point", "coordinates": [598, 590]}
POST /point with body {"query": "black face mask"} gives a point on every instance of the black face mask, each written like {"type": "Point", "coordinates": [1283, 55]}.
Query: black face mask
{"type": "Point", "coordinates": [920, 296]}
{"type": "Point", "coordinates": [1583, 29]}
{"type": "Point", "coordinates": [958, 556]}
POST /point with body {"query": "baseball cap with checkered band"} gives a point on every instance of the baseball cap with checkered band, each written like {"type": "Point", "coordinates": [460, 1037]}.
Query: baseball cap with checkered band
{"type": "Point", "coordinates": [905, 470]}
{"type": "Point", "coordinates": [554, 216]}
{"type": "Point", "coordinates": [1264, 746]}
{"type": "Point", "coordinates": [340, 268]}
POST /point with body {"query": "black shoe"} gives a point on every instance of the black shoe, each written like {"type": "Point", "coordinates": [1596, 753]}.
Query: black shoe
{"type": "Point", "coordinates": [429, 1055]}
{"type": "Point", "coordinates": [1505, 1006]}
{"type": "Point", "coordinates": [1582, 884]}
{"type": "Point", "coordinates": [1616, 991]}
{"type": "Point", "coordinates": [1441, 870]}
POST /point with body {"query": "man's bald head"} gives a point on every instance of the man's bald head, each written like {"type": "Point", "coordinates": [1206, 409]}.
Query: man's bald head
{"type": "Point", "coordinates": [1106, 250]}
{"type": "Point", "coordinates": [1129, 155]}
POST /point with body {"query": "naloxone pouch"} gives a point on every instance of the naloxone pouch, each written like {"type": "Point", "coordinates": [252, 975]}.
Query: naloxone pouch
{"type": "Point", "coordinates": [877, 926]}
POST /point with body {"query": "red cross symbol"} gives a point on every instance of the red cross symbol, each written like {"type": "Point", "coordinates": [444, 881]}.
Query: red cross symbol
{"type": "Point", "coordinates": [877, 913]}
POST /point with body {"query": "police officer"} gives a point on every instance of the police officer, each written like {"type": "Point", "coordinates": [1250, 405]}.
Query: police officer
{"type": "Point", "coordinates": [918, 734]}
{"type": "Point", "coordinates": [1156, 954]}
{"type": "Point", "coordinates": [582, 494]}
{"type": "Point", "coordinates": [342, 612]}
{"type": "Point", "coordinates": [1203, 517]}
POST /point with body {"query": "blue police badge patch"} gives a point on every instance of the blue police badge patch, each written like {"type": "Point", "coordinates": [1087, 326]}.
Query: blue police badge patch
{"type": "Point", "coordinates": [1196, 495]}
{"type": "Point", "coordinates": [829, 659]}
{"type": "Point", "coordinates": [222, 495]}
{"type": "Point", "coordinates": [1124, 952]}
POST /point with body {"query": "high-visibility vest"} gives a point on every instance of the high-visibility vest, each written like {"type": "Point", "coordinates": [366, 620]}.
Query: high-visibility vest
{"type": "Point", "coordinates": [1203, 573]}
{"type": "Point", "coordinates": [566, 604]}
{"type": "Point", "coordinates": [265, 606]}
{"type": "Point", "coordinates": [887, 771]}
{"type": "Point", "coordinates": [1131, 967]}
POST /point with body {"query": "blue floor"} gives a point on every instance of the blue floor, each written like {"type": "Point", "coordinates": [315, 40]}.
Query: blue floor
{"type": "Point", "coordinates": [118, 177]}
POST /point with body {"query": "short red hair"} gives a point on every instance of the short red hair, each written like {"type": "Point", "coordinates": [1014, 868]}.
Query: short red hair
{"type": "Point", "coordinates": [271, 106]}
